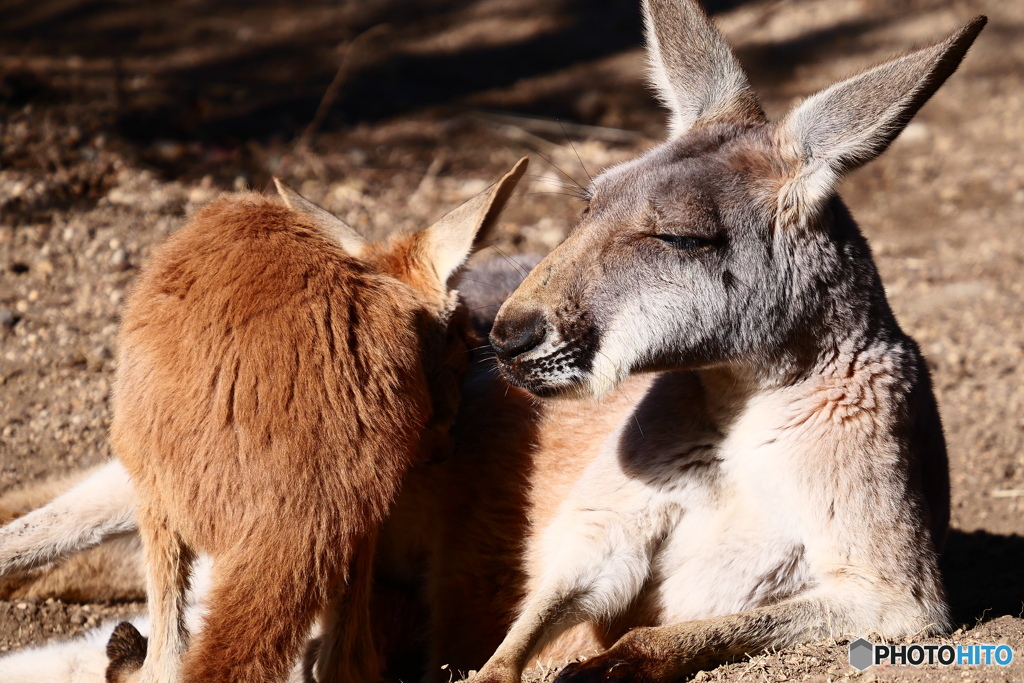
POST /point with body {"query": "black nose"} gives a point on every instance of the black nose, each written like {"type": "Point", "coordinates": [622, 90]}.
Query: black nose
{"type": "Point", "coordinates": [513, 335]}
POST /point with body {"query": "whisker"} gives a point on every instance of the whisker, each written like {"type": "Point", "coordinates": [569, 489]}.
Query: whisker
{"type": "Point", "coordinates": [567, 139]}
{"type": "Point", "coordinates": [563, 194]}
{"type": "Point", "coordinates": [549, 179]}
{"type": "Point", "coordinates": [511, 260]}
{"type": "Point", "coordinates": [481, 282]}
{"type": "Point", "coordinates": [559, 170]}
{"type": "Point", "coordinates": [567, 190]}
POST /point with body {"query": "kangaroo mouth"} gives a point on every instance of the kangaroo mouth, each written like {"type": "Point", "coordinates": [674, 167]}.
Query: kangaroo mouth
{"type": "Point", "coordinates": [540, 387]}
{"type": "Point", "coordinates": [547, 359]}
{"type": "Point", "coordinates": [561, 374]}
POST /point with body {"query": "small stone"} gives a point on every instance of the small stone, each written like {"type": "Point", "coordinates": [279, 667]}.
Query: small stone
{"type": "Point", "coordinates": [7, 318]}
{"type": "Point", "coordinates": [21, 306]}
{"type": "Point", "coordinates": [119, 260]}
{"type": "Point", "coordinates": [98, 357]}
{"type": "Point", "coordinates": [22, 605]}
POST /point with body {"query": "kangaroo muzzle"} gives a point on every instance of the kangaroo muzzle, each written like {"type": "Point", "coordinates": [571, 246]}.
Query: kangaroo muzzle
{"type": "Point", "coordinates": [518, 333]}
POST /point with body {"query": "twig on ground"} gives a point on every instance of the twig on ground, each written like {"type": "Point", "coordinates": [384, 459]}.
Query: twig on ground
{"type": "Point", "coordinates": [555, 127]}
{"type": "Point", "coordinates": [339, 78]}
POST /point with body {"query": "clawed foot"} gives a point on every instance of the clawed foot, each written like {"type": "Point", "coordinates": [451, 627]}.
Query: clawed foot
{"type": "Point", "coordinates": [602, 669]}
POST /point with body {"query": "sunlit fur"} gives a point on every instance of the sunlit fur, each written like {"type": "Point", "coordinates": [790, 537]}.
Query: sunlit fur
{"type": "Point", "coordinates": [272, 390]}
{"type": "Point", "coordinates": [784, 476]}
{"type": "Point", "coordinates": [778, 472]}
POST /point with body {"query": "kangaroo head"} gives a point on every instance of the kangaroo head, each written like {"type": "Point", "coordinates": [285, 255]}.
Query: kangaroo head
{"type": "Point", "coordinates": [725, 244]}
{"type": "Point", "coordinates": [426, 262]}
{"type": "Point", "coordinates": [428, 259]}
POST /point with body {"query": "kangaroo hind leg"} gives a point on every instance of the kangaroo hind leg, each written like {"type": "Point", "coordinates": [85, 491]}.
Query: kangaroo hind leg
{"type": "Point", "coordinates": [262, 606]}
{"type": "Point", "coordinates": [347, 653]}
{"type": "Point", "coordinates": [168, 572]}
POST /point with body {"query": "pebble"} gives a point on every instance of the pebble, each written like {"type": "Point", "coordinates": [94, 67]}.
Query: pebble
{"type": "Point", "coordinates": [119, 260]}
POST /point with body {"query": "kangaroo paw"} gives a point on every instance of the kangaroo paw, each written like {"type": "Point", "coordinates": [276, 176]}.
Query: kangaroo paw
{"type": "Point", "coordinates": [126, 651]}
{"type": "Point", "coordinates": [603, 669]}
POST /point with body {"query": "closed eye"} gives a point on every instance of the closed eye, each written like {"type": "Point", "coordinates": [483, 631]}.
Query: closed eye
{"type": "Point", "coordinates": [686, 242]}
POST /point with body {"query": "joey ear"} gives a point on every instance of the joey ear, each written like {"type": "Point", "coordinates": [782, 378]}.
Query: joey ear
{"type": "Point", "coordinates": [692, 68]}
{"type": "Point", "coordinates": [447, 243]}
{"type": "Point", "coordinates": [852, 122]}
{"type": "Point", "coordinates": [348, 239]}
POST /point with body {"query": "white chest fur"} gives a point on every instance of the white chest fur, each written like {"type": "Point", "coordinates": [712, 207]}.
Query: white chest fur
{"type": "Point", "coordinates": [742, 543]}
{"type": "Point", "coordinates": [702, 517]}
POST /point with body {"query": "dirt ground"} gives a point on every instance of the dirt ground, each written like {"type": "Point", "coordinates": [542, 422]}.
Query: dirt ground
{"type": "Point", "coordinates": [118, 119]}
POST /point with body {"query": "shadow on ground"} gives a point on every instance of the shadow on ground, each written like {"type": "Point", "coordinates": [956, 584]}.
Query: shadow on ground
{"type": "Point", "coordinates": [983, 575]}
{"type": "Point", "coordinates": [230, 72]}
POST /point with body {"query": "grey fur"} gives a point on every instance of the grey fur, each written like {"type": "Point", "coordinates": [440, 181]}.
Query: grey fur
{"type": "Point", "coordinates": [485, 286]}
{"type": "Point", "coordinates": [729, 265]}
{"type": "Point", "coordinates": [853, 122]}
{"type": "Point", "coordinates": [693, 70]}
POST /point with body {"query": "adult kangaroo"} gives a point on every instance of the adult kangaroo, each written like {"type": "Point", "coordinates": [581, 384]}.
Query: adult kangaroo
{"type": "Point", "coordinates": [784, 477]}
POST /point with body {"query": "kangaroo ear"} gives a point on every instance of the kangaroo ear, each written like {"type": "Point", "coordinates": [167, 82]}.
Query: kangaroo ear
{"type": "Point", "coordinates": [348, 239]}
{"type": "Point", "coordinates": [693, 70]}
{"type": "Point", "coordinates": [447, 243]}
{"type": "Point", "coordinates": [851, 123]}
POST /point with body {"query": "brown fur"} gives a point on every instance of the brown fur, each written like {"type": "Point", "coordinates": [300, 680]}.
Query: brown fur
{"type": "Point", "coordinates": [271, 393]}
{"type": "Point", "coordinates": [112, 572]}
{"type": "Point", "coordinates": [466, 522]}
{"type": "Point", "coordinates": [24, 499]}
